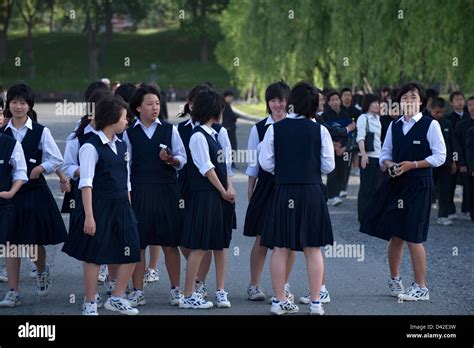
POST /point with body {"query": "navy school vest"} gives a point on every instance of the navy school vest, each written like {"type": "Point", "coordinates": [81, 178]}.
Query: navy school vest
{"type": "Point", "coordinates": [33, 155]}
{"type": "Point", "coordinates": [413, 146]}
{"type": "Point", "coordinates": [261, 130]}
{"type": "Point", "coordinates": [147, 167]}
{"type": "Point", "coordinates": [198, 182]}
{"type": "Point", "coordinates": [7, 145]}
{"type": "Point", "coordinates": [297, 144]}
{"type": "Point", "coordinates": [110, 178]}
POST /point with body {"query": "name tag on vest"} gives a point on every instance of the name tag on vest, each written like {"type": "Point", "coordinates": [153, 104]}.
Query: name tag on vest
{"type": "Point", "coordinates": [32, 160]}
{"type": "Point", "coordinates": [416, 142]}
{"type": "Point", "coordinates": [2, 161]}
{"type": "Point", "coordinates": [446, 129]}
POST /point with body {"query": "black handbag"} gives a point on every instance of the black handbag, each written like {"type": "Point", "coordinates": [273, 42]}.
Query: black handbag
{"type": "Point", "coordinates": [369, 137]}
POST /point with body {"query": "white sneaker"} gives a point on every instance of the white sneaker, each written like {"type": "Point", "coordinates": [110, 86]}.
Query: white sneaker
{"type": "Point", "coordinates": [316, 308]}
{"type": "Point", "coordinates": [201, 289]}
{"type": "Point", "coordinates": [103, 273]}
{"type": "Point", "coordinates": [12, 299]}
{"type": "Point", "coordinates": [395, 286]}
{"type": "Point", "coordinates": [343, 194]}
{"type": "Point", "coordinates": [452, 216]}
{"type": "Point", "coordinates": [3, 275]}
{"type": "Point", "coordinates": [43, 282]}
{"type": "Point", "coordinates": [415, 293]}
{"type": "Point", "coordinates": [195, 301]}
{"type": "Point", "coordinates": [464, 216]}
{"type": "Point", "coordinates": [289, 296]}
{"type": "Point", "coordinates": [151, 275]}
{"type": "Point", "coordinates": [120, 305]}
{"type": "Point", "coordinates": [136, 298]}
{"type": "Point", "coordinates": [283, 307]}
{"type": "Point", "coordinates": [334, 201]}
{"type": "Point", "coordinates": [109, 285]}
{"type": "Point", "coordinates": [221, 299]}
{"type": "Point", "coordinates": [323, 297]}
{"type": "Point", "coordinates": [444, 221]}
{"type": "Point", "coordinates": [34, 270]}
{"type": "Point", "coordinates": [175, 296]}
{"type": "Point", "coordinates": [89, 308]}
{"type": "Point", "coordinates": [254, 293]}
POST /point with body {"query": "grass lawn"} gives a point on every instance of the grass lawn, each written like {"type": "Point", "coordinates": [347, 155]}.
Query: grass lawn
{"type": "Point", "coordinates": [62, 61]}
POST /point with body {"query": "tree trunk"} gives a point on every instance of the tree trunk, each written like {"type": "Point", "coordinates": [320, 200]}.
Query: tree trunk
{"type": "Point", "coordinates": [4, 32]}
{"type": "Point", "coordinates": [29, 45]}
{"type": "Point", "coordinates": [204, 49]}
{"type": "Point", "coordinates": [52, 5]}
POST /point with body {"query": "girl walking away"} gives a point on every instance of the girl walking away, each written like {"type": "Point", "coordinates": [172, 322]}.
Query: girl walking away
{"type": "Point", "coordinates": [37, 218]}
{"type": "Point", "coordinates": [156, 153]}
{"type": "Point", "coordinates": [260, 188]}
{"type": "Point", "coordinates": [208, 223]}
{"type": "Point", "coordinates": [400, 210]}
{"type": "Point", "coordinates": [298, 217]}
{"type": "Point", "coordinates": [105, 231]}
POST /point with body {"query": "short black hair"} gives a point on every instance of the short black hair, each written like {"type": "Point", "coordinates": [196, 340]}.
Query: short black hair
{"type": "Point", "coordinates": [438, 103]}
{"type": "Point", "coordinates": [331, 93]}
{"type": "Point", "coordinates": [108, 111]}
{"type": "Point", "coordinates": [93, 87]}
{"type": "Point", "coordinates": [346, 89]}
{"type": "Point", "coordinates": [431, 93]}
{"type": "Point", "coordinates": [125, 90]}
{"type": "Point", "coordinates": [208, 105]}
{"type": "Point", "coordinates": [386, 89]}
{"type": "Point", "coordinates": [193, 92]}
{"type": "Point", "coordinates": [2, 105]}
{"type": "Point", "coordinates": [278, 90]}
{"type": "Point", "coordinates": [137, 97]}
{"type": "Point", "coordinates": [304, 99]}
{"type": "Point", "coordinates": [470, 98]}
{"type": "Point", "coordinates": [455, 94]}
{"type": "Point", "coordinates": [394, 93]}
{"type": "Point", "coordinates": [24, 92]}
{"type": "Point", "coordinates": [412, 86]}
{"type": "Point", "coordinates": [228, 93]}
{"type": "Point", "coordinates": [369, 98]}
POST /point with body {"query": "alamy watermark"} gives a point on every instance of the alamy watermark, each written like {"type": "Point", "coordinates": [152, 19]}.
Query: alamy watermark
{"type": "Point", "coordinates": [19, 250]}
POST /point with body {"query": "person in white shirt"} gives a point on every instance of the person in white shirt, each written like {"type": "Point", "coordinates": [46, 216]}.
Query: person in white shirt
{"type": "Point", "coordinates": [37, 217]}
{"type": "Point", "coordinates": [297, 151]}
{"type": "Point", "coordinates": [400, 210]}
{"type": "Point", "coordinates": [260, 189]}
{"type": "Point", "coordinates": [369, 130]}
{"type": "Point", "coordinates": [156, 153]}
{"type": "Point", "coordinates": [210, 212]}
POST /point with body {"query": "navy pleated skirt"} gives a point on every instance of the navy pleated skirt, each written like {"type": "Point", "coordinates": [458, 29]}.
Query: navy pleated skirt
{"type": "Point", "coordinates": [258, 206]}
{"type": "Point", "coordinates": [116, 240]}
{"type": "Point", "coordinates": [297, 217]}
{"type": "Point", "coordinates": [208, 222]}
{"type": "Point", "coordinates": [6, 219]}
{"type": "Point", "coordinates": [159, 212]}
{"type": "Point", "coordinates": [37, 216]}
{"type": "Point", "coordinates": [400, 208]}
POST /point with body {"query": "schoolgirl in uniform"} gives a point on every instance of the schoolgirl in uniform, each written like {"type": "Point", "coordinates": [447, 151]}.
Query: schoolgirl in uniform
{"type": "Point", "coordinates": [105, 230]}
{"type": "Point", "coordinates": [260, 188]}
{"type": "Point", "coordinates": [297, 150]}
{"type": "Point", "coordinates": [208, 223]}
{"type": "Point", "coordinates": [12, 176]}
{"type": "Point", "coordinates": [71, 168]}
{"type": "Point", "coordinates": [185, 129]}
{"type": "Point", "coordinates": [400, 210]}
{"type": "Point", "coordinates": [37, 217]}
{"type": "Point", "coordinates": [155, 195]}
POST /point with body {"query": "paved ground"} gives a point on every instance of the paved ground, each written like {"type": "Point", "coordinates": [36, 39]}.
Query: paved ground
{"type": "Point", "coordinates": [356, 287]}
